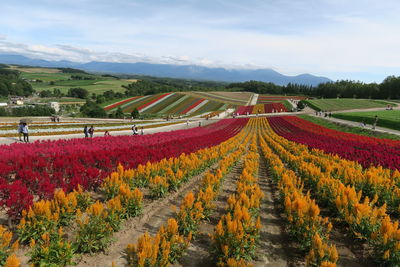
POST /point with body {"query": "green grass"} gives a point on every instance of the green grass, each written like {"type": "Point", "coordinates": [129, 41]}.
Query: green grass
{"type": "Point", "coordinates": [63, 82]}
{"type": "Point", "coordinates": [349, 129]}
{"type": "Point", "coordinates": [386, 118]}
{"type": "Point", "coordinates": [344, 104]}
{"type": "Point", "coordinates": [287, 105]}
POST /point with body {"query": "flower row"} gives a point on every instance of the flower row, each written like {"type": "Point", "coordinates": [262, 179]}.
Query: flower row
{"type": "Point", "coordinates": [366, 220]}
{"type": "Point", "coordinates": [236, 235]}
{"type": "Point", "coordinates": [365, 150]}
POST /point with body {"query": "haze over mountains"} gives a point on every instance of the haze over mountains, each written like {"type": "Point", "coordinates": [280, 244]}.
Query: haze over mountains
{"type": "Point", "coordinates": [173, 71]}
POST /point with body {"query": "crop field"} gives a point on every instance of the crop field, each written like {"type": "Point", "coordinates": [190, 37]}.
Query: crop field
{"type": "Point", "coordinates": [168, 104]}
{"type": "Point", "coordinates": [386, 118]}
{"type": "Point", "coordinates": [345, 104]}
{"type": "Point", "coordinates": [63, 81]}
{"type": "Point", "coordinates": [224, 194]}
{"type": "Point", "coordinates": [267, 99]}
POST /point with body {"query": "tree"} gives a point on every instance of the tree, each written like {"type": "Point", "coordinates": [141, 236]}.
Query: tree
{"type": "Point", "coordinates": [135, 113]}
{"type": "Point", "coordinates": [119, 113]}
{"type": "Point", "coordinates": [91, 109]}
{"type": "Point", "coordinates": [78, 92]}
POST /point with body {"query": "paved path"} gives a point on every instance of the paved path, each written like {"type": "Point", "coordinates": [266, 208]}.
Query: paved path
{"type": "Point", "coordinates": [253, 100]}
{"type": "Point", "coordinates": [357, 124]}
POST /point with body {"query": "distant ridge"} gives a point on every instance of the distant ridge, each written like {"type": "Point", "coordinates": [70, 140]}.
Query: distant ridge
{"type": "Point", "coordinates": [173, 71]}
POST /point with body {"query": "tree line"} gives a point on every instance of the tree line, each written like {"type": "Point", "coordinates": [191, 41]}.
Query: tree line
{"type": "Point", "coordinates": [12, 84]}
{"type": "Point", "coordinates": [388, 89]}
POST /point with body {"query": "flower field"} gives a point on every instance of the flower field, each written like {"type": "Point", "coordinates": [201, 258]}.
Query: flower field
{"type": "Point", "coordinates": [169, 103]}
{"type": "Point", "coordinates": [365, 150]}
{"type": "Point", "coordinates": [68, 201]}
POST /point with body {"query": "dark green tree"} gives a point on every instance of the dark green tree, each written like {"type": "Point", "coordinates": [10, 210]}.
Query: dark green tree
{"type": "Point", "coordinates": [135, 113]}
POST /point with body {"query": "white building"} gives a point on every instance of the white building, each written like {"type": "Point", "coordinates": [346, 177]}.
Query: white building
{"type": "Point", "coordinates": [55, 105]}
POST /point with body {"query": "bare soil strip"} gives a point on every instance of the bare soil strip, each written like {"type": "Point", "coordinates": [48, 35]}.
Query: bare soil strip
{"type": "Point", "coordinates": [276, 248]}
{"type": "Point", "coordinates": [198, 253]}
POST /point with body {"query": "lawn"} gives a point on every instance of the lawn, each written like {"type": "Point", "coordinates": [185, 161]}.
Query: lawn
{"type": "Point", "coordinates": [64, 82]}
{"type": "Point", "coordinates": [386, 118]}
{"type": "Point", "coordinates": [345, 103]}
{"type": "Point", "coordinates": [349, 129]}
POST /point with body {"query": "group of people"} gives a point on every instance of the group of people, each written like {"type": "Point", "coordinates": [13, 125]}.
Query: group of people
{"type": "Point", "coordinates": [136, 131]}
{"type": "Point", "coordinates": [23, 129]}
{"type": "Point", "coordinates": [88, 131]}
{"type": "Point", "coordinates": [322, 113]}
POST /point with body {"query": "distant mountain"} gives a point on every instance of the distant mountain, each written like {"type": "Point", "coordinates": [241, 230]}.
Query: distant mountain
{"type": "Point", "coordinates": [174, 71]}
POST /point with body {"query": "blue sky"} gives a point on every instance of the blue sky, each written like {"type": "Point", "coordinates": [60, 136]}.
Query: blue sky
{"type": "Point", "coordinates": [357, 39]}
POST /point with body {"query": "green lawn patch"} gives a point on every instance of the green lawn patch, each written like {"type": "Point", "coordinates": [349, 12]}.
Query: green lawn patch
{"type": "Point", "coordinates": [386, 118]}
{"type": "Point", "coordinates": [344, 104]}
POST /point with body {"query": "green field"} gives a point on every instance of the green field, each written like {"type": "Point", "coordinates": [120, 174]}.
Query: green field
{"type": "Point", "coordinates": [386, 118]}
{"type": "Point", "coordinates": [349, 129]}
{"type": "Point", "coordinates": [64, 82]}
{"type": "Point", "coordinates": [344, 104]}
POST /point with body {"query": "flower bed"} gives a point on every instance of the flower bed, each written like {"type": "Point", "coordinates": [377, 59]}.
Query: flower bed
{"type": "Point", "coordinates": [365, 150]}
{"type": "Point", "coordinates": [41, 167]}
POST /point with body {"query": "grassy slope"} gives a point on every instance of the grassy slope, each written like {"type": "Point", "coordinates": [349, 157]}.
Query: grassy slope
{"type": "Point", "coordinates": [62, 82]}
{"type": "Point", "coordinates": [345, 103]}
{"type": "Point", "coordinates": [349, 129]}
{"type": "Point", "coordinates": [386, 118]}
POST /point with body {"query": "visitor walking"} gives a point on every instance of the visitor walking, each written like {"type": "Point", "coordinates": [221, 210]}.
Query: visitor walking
{"type": "Point", "coordinates": [187, 122]}
{"type": "Point", "coordinates": [106, 133]}
{"type": "Point", "coordinates": [20, 126]}
{"type": "Point", "coordinates": [134, 129]}
{"type": "Point", "coordinates": [199, 123]}
{"type": "Point", "coordinates": [25, 131]}
{"type": "Point", "coordinates": [141, 131]}
{"type": "Point", "coordinates": [86, 131]}
{"type": "Point", "coordinates": [91, 131]}
{"type": "Point", "coordinates": [375, 122]}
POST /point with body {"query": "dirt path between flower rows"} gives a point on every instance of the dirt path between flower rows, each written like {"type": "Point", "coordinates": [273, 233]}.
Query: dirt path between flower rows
{"type": "Point", "coordinates": [276, 248]}
{"type": "Point", "coordinates": [198, 254]}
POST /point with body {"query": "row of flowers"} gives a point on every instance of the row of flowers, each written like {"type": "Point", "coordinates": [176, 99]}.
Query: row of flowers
{"type": "Point", "coordinates": [372, 182]}
{"type": "Point", "coordinates": [237, 233]}
{"type": "Point", "coordinates": [305, 223]}
{"type": "Point", "coordinates": [39, 168]}
{"type": "Point", "coordinates": [366, 219]}
{"type": "Point", "coordinates": [171, 240]}
{"type": "Point", "coordinates": [365, 150]}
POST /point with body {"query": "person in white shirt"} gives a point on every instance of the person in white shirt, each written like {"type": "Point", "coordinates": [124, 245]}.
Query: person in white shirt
{"type": "Point", "coordinates": [25, 132]}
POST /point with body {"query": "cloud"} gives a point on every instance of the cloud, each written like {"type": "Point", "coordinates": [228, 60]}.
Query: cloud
{"type": "Point", "coordinates": [324, 37]}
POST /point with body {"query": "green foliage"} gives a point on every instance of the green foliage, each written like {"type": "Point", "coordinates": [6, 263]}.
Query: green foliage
{"type": "Point", "coordinates": [386, 118]}
{"type": "Point", "coordinates": [78, 93]}
{"type": "Point", "coordinates": [119, 113]}
{"type": "Point", "coordinates": [51, 250]}
{"type": "Point", "coordinates": [37, 110]}
{"type": "Point", "coordinates": [91, 109]}
{"type": "Point", "coordinates": [135, 113]}
{"type": "Point", "coordinates": [344, 104]}
{"type": "Point", "coordinates": [12, 84]}
{"type": "Point", "coordinates": [71, 70]}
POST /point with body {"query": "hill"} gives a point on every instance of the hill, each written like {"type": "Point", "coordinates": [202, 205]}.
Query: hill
{"type": "Point", "coordinates": [174, 71]}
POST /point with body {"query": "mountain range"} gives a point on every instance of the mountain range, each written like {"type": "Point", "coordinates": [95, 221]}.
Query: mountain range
{"type": "Point", "coordinates": [169, 70]}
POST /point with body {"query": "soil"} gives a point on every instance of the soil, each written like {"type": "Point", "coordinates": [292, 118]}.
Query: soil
{"type": "Point", "coordinates": [198, 254]}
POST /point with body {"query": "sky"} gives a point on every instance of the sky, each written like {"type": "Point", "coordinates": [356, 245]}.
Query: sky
{"type": "Point", "coordinates": [338, 39]}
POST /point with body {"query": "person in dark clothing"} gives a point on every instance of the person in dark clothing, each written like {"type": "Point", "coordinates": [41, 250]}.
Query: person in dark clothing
{"type": "Point", "coordinates": [86, 131]}
{"type": "Point", "coordinates": [91, 131]}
